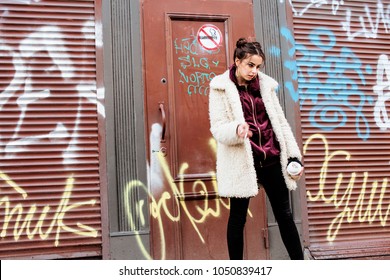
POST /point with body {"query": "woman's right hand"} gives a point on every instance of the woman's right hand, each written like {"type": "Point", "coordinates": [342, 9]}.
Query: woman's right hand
{"type": "Point", "coordinates": [243, 131]}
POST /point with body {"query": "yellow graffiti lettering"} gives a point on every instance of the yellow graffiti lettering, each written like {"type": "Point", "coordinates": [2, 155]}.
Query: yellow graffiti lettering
{"type": "Point", "coordinates": [362, 209]}
{"type": "Point", "coordinates": [179, 192]}
{"type": "Point", "coordinates": [155, 212]}
{"type": "Point", "coordinates": [88, 231]}
{"type": "Point", "coordinates": [173, 195]}
{"type": "Point", "coordinates": [24, 223]}
{"type": "Point", "coordinates": [12, 184]}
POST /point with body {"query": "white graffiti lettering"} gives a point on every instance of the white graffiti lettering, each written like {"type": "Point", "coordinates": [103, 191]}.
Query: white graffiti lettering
{"type": "Point", "coordinates": [382, 89]}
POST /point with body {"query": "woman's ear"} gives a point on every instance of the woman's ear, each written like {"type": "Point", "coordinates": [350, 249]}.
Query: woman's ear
{"type": "Point", "coordinates": [236, 61]}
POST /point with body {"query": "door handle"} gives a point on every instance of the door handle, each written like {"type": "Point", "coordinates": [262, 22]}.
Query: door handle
{"type": "Point", "coordinates": [164, 121]}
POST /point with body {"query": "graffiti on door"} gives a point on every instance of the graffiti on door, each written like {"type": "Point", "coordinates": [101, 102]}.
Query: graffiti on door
{"type": "Point", "coordinates": [342, 88]}
{"type": "Point", "coordinates": [196, 68]}
{"type": "Point", "coordinates": [48, 106]}
{"type": "Point", "coordinates": [172, 195]}
{"type": "Point", "coordinates": [31, 220]}
{"type": "Point", "coordinates": [371, 205]}
{"type": "Point", "coordinates": [324, 60]}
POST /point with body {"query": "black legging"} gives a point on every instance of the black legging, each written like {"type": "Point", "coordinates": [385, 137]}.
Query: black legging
{"type": "Point", "coordinates": [273, 182]}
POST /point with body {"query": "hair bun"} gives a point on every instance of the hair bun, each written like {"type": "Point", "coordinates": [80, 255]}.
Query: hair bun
{"type": "Point", "coordinates": [241, 42]}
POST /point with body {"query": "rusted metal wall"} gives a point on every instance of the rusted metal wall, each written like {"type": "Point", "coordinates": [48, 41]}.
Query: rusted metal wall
{"type": "Point", "coordinates": [50, 204]}
{"type": "Point", "coordinates": [342, 73]}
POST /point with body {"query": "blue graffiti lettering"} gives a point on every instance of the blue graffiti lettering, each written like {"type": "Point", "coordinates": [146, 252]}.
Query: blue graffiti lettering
{"type": "Point", "coordinates": [196, 80]}
{"type": "Point", "coordinates": [324, 81]}
{"type": "Point", "coordinates": [186, 45]}
{"type": "Point", "coordinates": [191, 61]}
{"type": "Point", "coordinates": [290, 63]}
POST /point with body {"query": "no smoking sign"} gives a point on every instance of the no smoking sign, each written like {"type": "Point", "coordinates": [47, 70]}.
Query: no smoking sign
{"type": "Point", "coordinates": [209, 37]}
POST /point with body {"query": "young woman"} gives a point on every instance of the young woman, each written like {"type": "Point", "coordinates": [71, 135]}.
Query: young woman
{"type": "Point", "coordinates": [255, 146]}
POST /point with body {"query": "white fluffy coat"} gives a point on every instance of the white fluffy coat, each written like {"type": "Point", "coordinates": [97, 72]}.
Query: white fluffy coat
{"type": "Point", "coordinates": [236, 175]}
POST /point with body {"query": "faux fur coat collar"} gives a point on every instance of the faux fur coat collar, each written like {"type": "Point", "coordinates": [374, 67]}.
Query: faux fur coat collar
{"type": "Point", "coordinates": [236, 175]}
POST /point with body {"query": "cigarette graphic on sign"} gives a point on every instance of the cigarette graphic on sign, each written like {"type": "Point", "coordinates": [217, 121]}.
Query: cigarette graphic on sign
{"type": "Point", "coordinates": [209, 37]}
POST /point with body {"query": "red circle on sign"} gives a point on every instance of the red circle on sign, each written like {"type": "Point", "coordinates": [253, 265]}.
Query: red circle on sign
{"type": "Point", "coordinates": [209, 37]}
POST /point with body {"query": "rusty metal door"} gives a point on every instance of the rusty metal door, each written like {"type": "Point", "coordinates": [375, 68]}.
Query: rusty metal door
{"type": "Point", "coordinates": [343, 72]}
{"type": "Point", "coordinates": [50, 150]}
{"type": "Point", "coordinates": [185, 44]}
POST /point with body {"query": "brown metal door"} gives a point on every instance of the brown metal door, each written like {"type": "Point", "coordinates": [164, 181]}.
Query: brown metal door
{"type": "Point", "coordinates": [50, 144]}
{"type": "Point", "coordinates": [187, 43]}
{"type": "Point", "coordinates": [343, 74]}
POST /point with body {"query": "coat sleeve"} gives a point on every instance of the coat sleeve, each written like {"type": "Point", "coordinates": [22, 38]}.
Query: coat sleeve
{"type": "Point", "coordinates": [222, 124]}
{"type": "Point", "coordinates": [292, 146]}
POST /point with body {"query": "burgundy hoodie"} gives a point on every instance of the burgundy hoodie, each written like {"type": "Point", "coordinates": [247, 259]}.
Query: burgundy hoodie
{"type": "Point", "coordinates": [264, 144]}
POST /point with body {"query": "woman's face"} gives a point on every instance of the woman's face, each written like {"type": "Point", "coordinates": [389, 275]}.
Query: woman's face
{"type": "Point", "coordinates": [247, 68]}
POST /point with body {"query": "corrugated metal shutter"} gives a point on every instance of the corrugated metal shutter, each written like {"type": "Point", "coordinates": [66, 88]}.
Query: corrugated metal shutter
{"type": "Point", "coordinates": [342, 52]}
{"type": "Point", "coordinates": [49, 156]}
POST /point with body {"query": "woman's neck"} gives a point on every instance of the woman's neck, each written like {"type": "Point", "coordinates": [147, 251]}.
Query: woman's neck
{"type": "Point", "coordinates": [241, 81]}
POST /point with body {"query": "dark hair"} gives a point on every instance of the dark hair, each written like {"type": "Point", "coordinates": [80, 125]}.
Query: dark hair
{"type": "Point", "coordinates": [245, 48]}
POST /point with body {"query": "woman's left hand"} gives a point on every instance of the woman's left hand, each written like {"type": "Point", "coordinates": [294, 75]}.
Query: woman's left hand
{"type": "Point", "coordinates": [243, 131]}
{"type": "Point", "coordinates": [295, 168]}
{"type": "Point", "coordinates": [298, 176]}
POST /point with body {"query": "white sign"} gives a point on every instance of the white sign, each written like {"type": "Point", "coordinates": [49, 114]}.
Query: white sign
{"type": "Point", "coordinates": [209, 37]}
